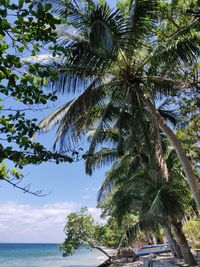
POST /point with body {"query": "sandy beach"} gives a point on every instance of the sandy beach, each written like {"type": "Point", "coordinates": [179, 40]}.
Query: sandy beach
{"type": "Point", "coordinates": [160, 261]}
{"type": "Point", "coordinates": [127, 264]}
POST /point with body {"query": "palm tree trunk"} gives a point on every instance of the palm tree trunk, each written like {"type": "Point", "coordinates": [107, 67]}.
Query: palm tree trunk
{"type": "Point", "coordinates": [186, 164]}
{"type": "Point", "coordinates": [173, 244]}
{"type": "Point", "coordinates": [187, 254]}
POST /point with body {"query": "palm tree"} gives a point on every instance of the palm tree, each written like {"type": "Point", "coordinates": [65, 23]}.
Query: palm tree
{"type": "Point", "coordinates": [130, 163]}
{"type": "Point", "coordinates": [111, 56]}
{"type": "Point", "coordinates": [156, 203]}
{"type": "Point", "coordinates": [137, 188]}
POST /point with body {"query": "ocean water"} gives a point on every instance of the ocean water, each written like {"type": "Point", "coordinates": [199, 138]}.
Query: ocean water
{"type": "Point", "coordinates": [46, 255]}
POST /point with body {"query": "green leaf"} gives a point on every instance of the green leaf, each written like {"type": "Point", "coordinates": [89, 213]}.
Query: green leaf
{"type": "Point", "coordinates": [21, 49]}
{"type": "Point", "coordinates": [21, 3]}
{"type": "Point", "coordinates": [48, 7]}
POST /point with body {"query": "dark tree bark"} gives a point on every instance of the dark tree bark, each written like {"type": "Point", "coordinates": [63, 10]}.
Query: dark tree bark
{"type": "Point", "coordinates": [182, 242]}
{"type": "Point", "coordinates": [185, 162]}
{"type": "Point", "coordinates": [173, 244]}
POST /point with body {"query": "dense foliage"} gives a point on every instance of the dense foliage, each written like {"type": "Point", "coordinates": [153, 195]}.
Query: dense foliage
{"type": "Point", "coordinates": [25, 27]}
{"type": "Point", "coordinates": [126, 60]}
{"type": "Point", "coordinates": [192, 231]}
{"type": "Point", "coordinates": [81, 230]}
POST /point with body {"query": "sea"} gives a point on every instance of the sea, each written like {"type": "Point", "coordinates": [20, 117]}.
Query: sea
{"type": "Point", "coordinates": [46, 255]}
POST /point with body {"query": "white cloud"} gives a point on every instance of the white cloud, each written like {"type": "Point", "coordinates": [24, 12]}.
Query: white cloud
{"type": "Point", "coordinates": [28, 223]}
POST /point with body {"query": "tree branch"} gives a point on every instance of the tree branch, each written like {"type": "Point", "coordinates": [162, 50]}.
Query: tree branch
{"type": "Point", "coordinates": [26, 188]}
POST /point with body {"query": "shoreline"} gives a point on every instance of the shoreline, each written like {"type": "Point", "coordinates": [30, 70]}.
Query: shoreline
{"type": "Point", "coordinates": [166, 261]}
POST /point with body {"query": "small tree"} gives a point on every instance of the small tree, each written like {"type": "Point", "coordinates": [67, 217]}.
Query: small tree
{"type": "Point", "coordinates": [82, 230]}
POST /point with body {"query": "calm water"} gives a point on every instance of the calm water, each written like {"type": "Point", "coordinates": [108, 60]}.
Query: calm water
{"type": "Point", "coordinates": [45, 255]}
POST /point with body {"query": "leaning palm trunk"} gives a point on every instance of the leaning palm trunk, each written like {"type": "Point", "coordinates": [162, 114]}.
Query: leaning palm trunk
{"type": "Point", "coordinates": [187, 166]}
{"type": "Point", "coordinates": [182, 242]}
{"type": "Point", "coordinates": [173, 244]}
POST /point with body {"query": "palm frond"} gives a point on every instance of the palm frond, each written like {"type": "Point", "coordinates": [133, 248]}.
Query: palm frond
{"type": "Point", "coordinates": [162, 87]}
{"type": "Point", "coordinates": [143, 14]}
{"type": "Point", "coordinates": [104, 122]}
{"type": "Point", "coordinates": [109, 30]}
{"type": "Point", "coordinates": [140, 179]}
{"type": "Point", "coordinates": [171, 159]}
{"type": "Point", "coordinates": [101, 158]}
{"type": "Point", "coordinates": [106, 186]}
{"type": "Point", "coordinates": [169, 115]}
{"type": "Point", "coordinates": [55, 117]}
{"type": "Point", "coordinates": [141, 119]}
{"type": "Point", "coordinates": [156, 208]}
{"type": "Point", "coordinates": [113, 175]}
{"type": "Point", "coordinates": [109, 135]}
{"type": "Point", "coordinates": [77, 69]}
{"type": "Point", "coordinates": [67, 37]}
{"type": "Point", "coordinates": [178, 50]}
{"type": "Point", "coordinates": [105, 32]}
{"type": "Point", "coordinates": [73, 12]}
{"type": "Point", "coordinates": [90, 97]}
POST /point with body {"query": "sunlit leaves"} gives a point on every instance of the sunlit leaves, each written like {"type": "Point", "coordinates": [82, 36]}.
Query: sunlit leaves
{"type": "Point", "coordinates": [24, 28]}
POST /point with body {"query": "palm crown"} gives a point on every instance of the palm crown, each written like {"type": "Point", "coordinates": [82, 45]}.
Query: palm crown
{"type": "Point", "coordinates": [116, 59]}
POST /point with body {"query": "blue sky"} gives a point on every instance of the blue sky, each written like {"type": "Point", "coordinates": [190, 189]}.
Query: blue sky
{"type": "Point", "coordinates": [26, 218]}
{"type": "Point", "coordinates": [42, 219]}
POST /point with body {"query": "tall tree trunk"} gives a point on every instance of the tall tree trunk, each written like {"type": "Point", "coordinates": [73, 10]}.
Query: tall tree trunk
{"type": "Point", "coordinates": [186, 164]}
{"type": "Point", "coordinates": [182, 242]}
{"type": "Point", "coordinates": [173, 244]}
